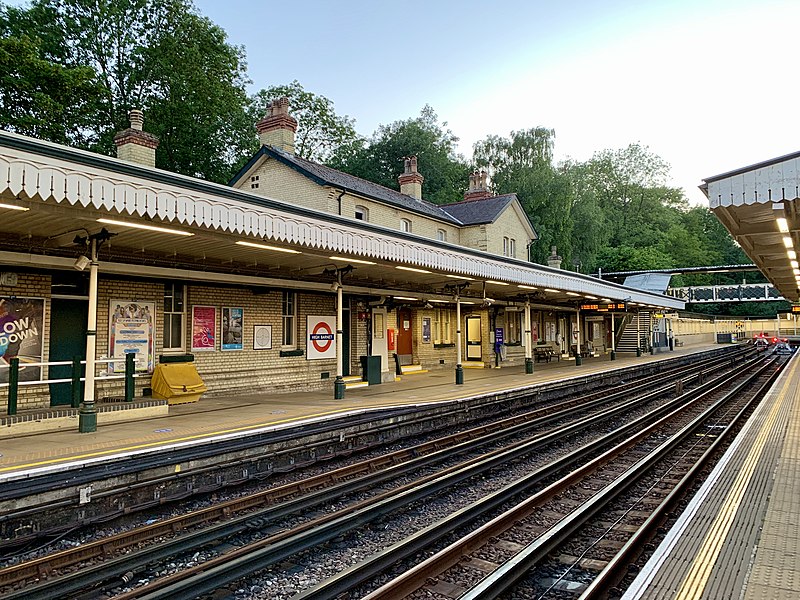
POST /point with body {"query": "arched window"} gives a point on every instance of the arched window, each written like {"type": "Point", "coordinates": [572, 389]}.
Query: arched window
{"type": "Point", "coordinates": [405, 225]}
{"type": "Point", "coordinates": [441, 235]}
{"type": "Point", "coordinates": [362, 213]}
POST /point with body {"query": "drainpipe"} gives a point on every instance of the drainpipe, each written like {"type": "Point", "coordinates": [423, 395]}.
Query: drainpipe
{"type": "Point", "coordinates": [339, 202]}
{"type": "Point", "coordinates": [578, 357]}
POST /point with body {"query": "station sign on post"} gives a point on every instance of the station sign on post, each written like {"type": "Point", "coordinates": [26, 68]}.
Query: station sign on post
{"type": "Point", "coordinates": [614, 306]}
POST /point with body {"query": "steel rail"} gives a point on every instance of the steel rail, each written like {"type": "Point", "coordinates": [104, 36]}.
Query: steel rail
{"type": "Point", "coordinates": [508, 574]}
{"type": "Point", "coordinates": [613, 571]}
{"type": "Point", "coordinates": [476, 437]}
{"type": "Point", "coordinates": [239, 563]}
{"type": "Point", "coordinates": [409, 581]}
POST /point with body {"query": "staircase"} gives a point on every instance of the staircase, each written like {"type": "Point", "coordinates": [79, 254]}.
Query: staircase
{"type": "Point", "coordinates": [627, 340]}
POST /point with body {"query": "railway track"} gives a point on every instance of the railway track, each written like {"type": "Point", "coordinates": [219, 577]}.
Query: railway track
{"type": "Point", "coordinates": [119, 491]}
{"type": "Point", "coordinates": [303, 497]}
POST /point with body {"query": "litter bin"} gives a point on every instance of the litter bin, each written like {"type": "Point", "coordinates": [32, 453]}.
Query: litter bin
{"type": "Point", "coordinates": [371, 369]}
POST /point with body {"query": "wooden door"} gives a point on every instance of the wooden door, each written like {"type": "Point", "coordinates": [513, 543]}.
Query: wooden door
{"type": "Point", "coordinates": [405, 340]}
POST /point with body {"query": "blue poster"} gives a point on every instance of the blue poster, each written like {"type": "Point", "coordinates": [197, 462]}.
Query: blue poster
{"type": "Point", "coordinates": [232, 321]}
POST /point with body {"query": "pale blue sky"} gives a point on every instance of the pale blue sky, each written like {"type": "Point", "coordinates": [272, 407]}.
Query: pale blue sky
{"type": "Point", "coordinates": [709, 85]}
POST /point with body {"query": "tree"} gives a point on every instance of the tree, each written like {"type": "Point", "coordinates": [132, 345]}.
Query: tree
{"type": "Point", "coordinates": [523, 164]}
{"type": "Point", "coordinates": [380, 159]}
{"type": "Point", "coordinates": [43, 99]}
{"type": "Point", "coordinates": [157, 55]}
{"type": "Point", "coordinates": [320, 131]}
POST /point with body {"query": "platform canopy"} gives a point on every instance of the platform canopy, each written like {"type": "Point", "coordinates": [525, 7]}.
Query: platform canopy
{"type": "Point", "coordinates": [179, 228]}
{"type": "Point", "coordinates": [758, 204]}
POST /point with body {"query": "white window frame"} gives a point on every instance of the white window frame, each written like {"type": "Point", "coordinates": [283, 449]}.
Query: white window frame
{"type": "Point", "coordinates": [505, 246]}
{"type": "Point", "coordinates": [363, 211]}
{"type": "Point", "coordinates": [513, 333]}
{"type": "Point", "coordinates": [288, 320]}
{"type": "Point", "coordinates": [170, 315]}
{"type": "Point", "coordinates": [405, 225]}
{"type": "Point", "coordinates": [512, 248]}
{"type": "Point", "coordinates": [441, 235]}
{"type": "Point", "coordinates": [442, 329]}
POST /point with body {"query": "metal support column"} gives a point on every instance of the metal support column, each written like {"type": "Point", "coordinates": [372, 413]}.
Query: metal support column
{"type": "Point", "coordinates": [338, 384]}
{"type": "Point", "coordinates": [578, 357]}
{"type": "Point", "coordinates": [613, 339]}
{"type": "Point", "coordinates": [87, 414]}
{"type": "Point", "coordinates": [528, 347]}
{"type": "Point", "coordinates": [638, 336]}
{"type": "Point", "coordinates": [459, 367]}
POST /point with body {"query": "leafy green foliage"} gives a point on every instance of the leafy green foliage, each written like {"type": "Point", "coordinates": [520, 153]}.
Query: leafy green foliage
{"type": "Point", "coordinates": [380, 159]}
{"type": "Point", "coordinates": [157, 55]}
{"type": "Point", "coordinates": [320, 131]}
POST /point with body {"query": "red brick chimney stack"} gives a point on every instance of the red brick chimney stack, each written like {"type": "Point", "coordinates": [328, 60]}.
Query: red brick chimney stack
{"type": "Point", "coordinates": [278, 127]}
{"type": "Point", "coordinates": [478, 187]}
{"type": "Point", "coordinates": [135, 145]}
{"type": "Point", "coordinates": [410, 180]}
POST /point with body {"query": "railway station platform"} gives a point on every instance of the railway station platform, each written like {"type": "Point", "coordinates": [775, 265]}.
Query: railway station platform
{"type": "Point", "coordinates": [739, 537]}
{"type": "Point", "coordinates": [242, 413]}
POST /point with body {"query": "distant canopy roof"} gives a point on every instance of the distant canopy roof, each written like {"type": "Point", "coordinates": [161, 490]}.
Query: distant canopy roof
{"type": "Point", "coordinates": [656, 283]}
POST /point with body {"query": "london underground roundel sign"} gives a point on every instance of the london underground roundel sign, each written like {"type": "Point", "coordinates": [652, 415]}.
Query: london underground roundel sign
{"type": "Point", "coordinates": [321, 337]}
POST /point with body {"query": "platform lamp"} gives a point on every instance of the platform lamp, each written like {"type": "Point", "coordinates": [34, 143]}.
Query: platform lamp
{"type": "Point", "coordinates": [87, 414]}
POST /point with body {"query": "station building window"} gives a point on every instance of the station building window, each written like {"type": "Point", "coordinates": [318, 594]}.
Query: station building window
{"type": "Point", "coordinates": [441, 327]}
{"type": "Point", "coordinates": [289, 319]}
{"type": "Point", "coordinates": [513, 333]}
{"type": "Point", "coordinates": [174, 317]}
{"type": "Point", "coordinates": [512, 248]}
{"type": "Point", "coordinates": [362, 213]}
{"type": "Point", "coordinates": [405, 225]}
{"type": "Point", "coordinates": [441, 235]}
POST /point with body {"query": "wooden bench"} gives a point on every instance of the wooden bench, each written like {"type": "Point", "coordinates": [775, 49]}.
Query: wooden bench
{"type": "Point", "coordinates": [543, 353]}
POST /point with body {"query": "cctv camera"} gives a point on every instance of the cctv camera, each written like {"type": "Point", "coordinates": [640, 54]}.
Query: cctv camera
{"type": "Point", "coordinates": [81, 263]}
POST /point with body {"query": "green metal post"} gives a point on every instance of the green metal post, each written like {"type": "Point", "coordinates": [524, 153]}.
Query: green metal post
{"type": "Point", "coordinates": [76, 382]}
{"type": "Point", "coordinates": [13, 384]}
{"type": "Point", "coordinates": [129, 384]}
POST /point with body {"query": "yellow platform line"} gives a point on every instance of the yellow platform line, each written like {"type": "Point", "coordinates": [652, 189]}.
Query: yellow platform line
{"type": "Point", "coordinates": [696, 579]}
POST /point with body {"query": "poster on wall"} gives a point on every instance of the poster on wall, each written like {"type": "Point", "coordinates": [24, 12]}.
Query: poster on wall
{"type": "Point", "coordinates": [204, 328]}
{"type": "Point", "coordinates": [232, 321]}
{"type": "Point", "coordinates": [21, 335]}
{"type": "Point", "coordinates": [262, 337]}
{"type": "Point", "coordinates": [320, 337]}
{"type": "Point", "coordinates": [131, 331]}
{"type": "Point", "coordinates": [426, 330]}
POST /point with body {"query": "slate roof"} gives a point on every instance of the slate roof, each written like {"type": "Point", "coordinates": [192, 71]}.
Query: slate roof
{"type": "Point", "coordinates": [465, 212]}
{"type": "Point", "coordinates": [327, 176]}
{"type": "Point", "coordinates": [478, 212]}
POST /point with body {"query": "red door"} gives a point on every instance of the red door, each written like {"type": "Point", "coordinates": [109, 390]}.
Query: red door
{"type": "Point", "coordinates": [404, 336]}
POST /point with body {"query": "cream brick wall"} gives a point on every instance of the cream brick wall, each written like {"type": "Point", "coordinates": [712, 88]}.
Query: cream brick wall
{"type": "Point", "coordinates": [137, 154]}
{"type": "Point", "coordinates": [275, 180]}
{"type": "Point", "coordinates": [31, 285]}
{"type": "Point", "coordinates": [475, 236]}
{"type": "Point", "coordinates": [507, 225]}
